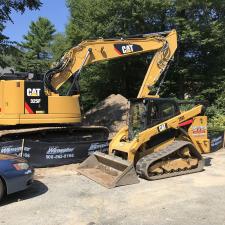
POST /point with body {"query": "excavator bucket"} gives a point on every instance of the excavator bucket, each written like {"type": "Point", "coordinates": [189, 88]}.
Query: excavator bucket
{"type": "Point", "coordinates": [109, 171]}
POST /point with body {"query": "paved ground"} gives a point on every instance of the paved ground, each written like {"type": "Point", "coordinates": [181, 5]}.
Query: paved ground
{"type": "Point", "coordinates": [60, 196]}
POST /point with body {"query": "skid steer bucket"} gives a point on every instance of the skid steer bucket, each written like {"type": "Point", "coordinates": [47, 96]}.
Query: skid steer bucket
{"type": "Point", "coordinates": [109, 171]}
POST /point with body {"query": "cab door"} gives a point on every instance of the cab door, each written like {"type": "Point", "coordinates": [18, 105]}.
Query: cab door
{"type": "Point", "coordinates": [153, 117]}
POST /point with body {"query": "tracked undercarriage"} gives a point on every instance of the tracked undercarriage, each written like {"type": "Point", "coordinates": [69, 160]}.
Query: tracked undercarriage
{"type": "Point", "coordinates": [53, 132]}
{"type": "Point", "coordinates": [170, 162]}
{"type": "Point", "coordinates": [112, 171]}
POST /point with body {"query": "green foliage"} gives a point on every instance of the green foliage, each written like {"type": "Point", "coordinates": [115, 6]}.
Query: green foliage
{"type": "Point", "coordinates": [6, 7]}
{"type": "Point", "coordinates": [36, 47]}
{"type": "Point", "coordinates": [216, 112]}
{"type": "Point", "coordinates": [39, 38]}
{"type": "Point", "coordinates": [199, 62]}
{"type": "Point", "coordinates": [28, 62]}
{"type": "Point", "coordinates": [217, 121]}
{"type": "Point", "coordinates": [59, 45]}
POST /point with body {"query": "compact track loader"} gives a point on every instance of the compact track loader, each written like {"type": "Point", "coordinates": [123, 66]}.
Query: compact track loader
{"type": "Point", "coordinates": [159, 142]}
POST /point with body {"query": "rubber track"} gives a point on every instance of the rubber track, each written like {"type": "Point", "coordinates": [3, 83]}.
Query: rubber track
{"type": "Point", "coordinates": [144, 163]}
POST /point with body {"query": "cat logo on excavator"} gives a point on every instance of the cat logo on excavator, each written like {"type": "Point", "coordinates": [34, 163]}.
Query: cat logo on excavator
{"type": "Point", "coordinates": [35, 92]}
{"type": "Point", "coordinates": [123, 49]}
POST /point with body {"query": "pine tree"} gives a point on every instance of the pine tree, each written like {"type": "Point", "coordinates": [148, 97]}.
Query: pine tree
{"type": "Point", "coordinates": [39, 37]}
{"type": "Point", "coordinates": [36, 47]}
{"type": "Point", "coordinates": [59, 45]}
{"type": "Point", "coordinates": [6, 47]}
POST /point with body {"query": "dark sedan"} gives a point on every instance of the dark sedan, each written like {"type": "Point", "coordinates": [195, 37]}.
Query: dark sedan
{"type": "Point", "coordinates": [15, 174]}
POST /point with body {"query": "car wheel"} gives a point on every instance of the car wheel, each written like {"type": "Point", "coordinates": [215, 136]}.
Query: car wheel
{"type": "Point", "coordinates": [1, 189]}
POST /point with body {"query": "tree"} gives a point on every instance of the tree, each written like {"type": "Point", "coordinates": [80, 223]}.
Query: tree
{"type": "Point", "coordinates": [199, 63]}
{"type": "Point", "coordinates": [59, 45]}
{"type": "Point", "coordinates": [39, 37]}
{"type": "Point", "coordinates": [5, 10]}
{"type": "Point", "coordinates": [36, 47]}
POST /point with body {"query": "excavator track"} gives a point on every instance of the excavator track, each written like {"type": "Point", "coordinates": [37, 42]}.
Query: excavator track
{"type": "Point", "coordinates": [54, 133]}
{"type": "Point", "coordinates": [143, 164]}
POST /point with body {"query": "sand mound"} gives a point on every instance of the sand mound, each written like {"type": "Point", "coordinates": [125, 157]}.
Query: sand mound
{"type": "Point", "coordinates": [111, 113]}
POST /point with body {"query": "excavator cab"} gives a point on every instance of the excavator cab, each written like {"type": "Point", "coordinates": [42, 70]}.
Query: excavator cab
{"type": "Point", "coordinates": [148, 112]}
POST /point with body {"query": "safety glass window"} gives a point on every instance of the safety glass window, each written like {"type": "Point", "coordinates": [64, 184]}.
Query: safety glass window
{"type": "Point", "coordinates": [167, 110]}
{"type": "Point", "coordinates": [137, 119]}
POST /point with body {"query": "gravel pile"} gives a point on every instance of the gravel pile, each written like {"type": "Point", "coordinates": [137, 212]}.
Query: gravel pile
{"type": "Point", "coordinates": [111, 112]}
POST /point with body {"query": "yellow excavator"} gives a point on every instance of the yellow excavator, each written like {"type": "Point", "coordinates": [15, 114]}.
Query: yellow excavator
{"type": "Point", "coordinates": [37, 110]}
{"type": "Point", "coordinates": [160, 140]}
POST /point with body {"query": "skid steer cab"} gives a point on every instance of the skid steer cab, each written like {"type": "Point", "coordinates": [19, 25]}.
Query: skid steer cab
{"type": "Point", "coordinates": [157, 143]}
{"type": "Point", "coordinates": [145, 113]}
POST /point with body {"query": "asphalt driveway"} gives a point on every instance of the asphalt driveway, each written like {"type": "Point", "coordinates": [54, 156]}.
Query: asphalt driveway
{"type": "Point", "coordinates": [61, 197]}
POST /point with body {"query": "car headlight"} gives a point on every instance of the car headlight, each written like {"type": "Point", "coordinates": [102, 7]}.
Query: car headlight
{"type": "Point", "coordinates": [21, 166]}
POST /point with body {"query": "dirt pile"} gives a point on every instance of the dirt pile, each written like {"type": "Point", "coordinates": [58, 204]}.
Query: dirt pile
{"type": "Point", "coordinates": [111, 112]}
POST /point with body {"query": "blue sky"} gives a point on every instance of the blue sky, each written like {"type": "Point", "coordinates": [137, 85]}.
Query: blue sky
{"type": "Point", "coordinates": [55, 10]}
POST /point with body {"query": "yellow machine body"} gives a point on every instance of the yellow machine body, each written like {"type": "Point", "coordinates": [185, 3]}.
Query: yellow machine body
{"type": "Point", "coordinates": [172, 146]}
{"type": "Point", "coordinates": [152, 153]}
{"type": "Point", "coordinates": [14, 110]}
{"type": "Point", "coordinates": [200, 140]}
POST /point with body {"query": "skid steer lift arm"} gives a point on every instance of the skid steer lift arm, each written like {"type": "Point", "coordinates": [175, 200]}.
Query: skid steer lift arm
{"type": "Point", "coordinates": [91, 51]}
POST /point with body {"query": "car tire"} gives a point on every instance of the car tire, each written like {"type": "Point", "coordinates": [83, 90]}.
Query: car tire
{"type": "Point", "coordinates": [1, 189]}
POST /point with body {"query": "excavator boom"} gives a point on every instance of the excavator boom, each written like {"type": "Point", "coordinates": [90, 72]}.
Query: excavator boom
{"type": "Point", "coordinates": [91, 51]}
{"type": "Point", "coordinates": [41, 102]}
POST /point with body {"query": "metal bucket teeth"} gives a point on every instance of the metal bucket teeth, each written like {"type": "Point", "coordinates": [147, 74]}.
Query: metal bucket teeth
{"type": "Point", "coordinates": [109, 171]}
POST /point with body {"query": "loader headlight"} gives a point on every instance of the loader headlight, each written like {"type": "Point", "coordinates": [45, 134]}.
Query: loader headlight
{"type": "Point", "coordinates": [21, 166]}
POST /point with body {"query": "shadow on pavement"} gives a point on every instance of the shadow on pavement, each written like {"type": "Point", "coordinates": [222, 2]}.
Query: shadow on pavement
{"type": "Point", "coordinates": [36, 189]}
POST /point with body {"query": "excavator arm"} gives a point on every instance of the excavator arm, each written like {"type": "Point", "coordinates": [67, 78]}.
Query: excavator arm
{"type": "Point", "coordinates": [91, 51]}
